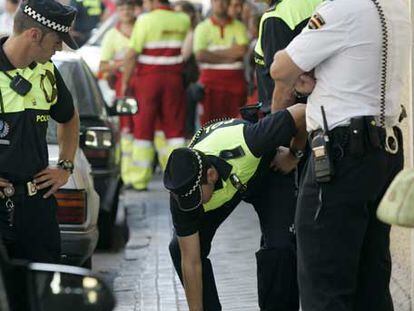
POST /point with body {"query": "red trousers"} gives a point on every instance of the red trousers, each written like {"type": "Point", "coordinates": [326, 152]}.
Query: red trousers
{"type": "Point", "coordinates": [160, 96]}
{"type": "Point", "coordinates": [220, 103]}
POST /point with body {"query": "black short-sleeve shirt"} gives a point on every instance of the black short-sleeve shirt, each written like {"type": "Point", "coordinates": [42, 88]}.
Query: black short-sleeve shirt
{"type": "Point", "coordinates": [262, 138]}
{"type": "Point", "coordinates": [276, 35]}
{"type": "Point", "coordinates": [23, 146]}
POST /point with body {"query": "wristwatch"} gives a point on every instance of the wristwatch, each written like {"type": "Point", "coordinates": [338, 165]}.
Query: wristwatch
{"type": "Point", "coordinates": [298, 154]}
{"type": "Point", "coordinates": [67, 165]}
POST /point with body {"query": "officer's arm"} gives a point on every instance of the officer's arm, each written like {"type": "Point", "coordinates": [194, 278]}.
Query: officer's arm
{"type": "Point", "coordinates": [191, 268]}
{"type": "Point", "coordinates": [68, 137]}
{"type": "Point", "coordinates": [298, 114]}
{"type": "Point", "coordinates": [285, 73]}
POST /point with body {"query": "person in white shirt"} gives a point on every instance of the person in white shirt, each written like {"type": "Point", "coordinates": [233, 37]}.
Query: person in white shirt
{"type": "Point", "coordinates": [6, 18]}
{"type": "Point", "coordinates": [355, 55]}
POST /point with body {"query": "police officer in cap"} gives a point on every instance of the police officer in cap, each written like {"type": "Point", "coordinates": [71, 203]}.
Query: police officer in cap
{"type": "Point", "coordinates": [360, 53]}
{"type": "Point", "coordinates": [31, 92]}
{"type": "Point", "coordinates": [225, 164]}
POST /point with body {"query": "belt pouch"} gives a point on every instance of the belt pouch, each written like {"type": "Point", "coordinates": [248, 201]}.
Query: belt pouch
{"type": "Point", "coordinates": [373, 132]}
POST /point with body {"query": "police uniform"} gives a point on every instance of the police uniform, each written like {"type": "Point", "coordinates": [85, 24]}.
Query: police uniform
{"type": "Point", "coordinates": [29, 226]}
{"type": "Point", "coordinates": [278, 26]}
{"type": "Point", "coordinates": [343, 250]}
{"type": "Point", "coordinates": [241, 153]}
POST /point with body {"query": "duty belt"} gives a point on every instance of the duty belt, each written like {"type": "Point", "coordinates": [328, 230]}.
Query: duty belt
{"type": "Point", "coordinates": [24, 188]}
{"type": "Point", "coordinates": [345, 140]}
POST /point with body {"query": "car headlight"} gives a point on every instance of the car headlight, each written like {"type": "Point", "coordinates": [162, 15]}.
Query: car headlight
{"type": "Point", "coordinates": [99, 138]}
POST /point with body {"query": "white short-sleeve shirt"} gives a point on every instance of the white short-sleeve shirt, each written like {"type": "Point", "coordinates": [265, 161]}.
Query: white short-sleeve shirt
{"type": "Point", "coordinates": [345, 51]}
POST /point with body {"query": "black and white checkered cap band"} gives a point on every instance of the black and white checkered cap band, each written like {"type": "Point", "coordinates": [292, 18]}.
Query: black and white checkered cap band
{"type": "Point", "coordinates": [200, 173]}
{"type": "Point", "coordinates": [44, 21]}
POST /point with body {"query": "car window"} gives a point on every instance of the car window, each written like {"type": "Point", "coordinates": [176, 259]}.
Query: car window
{"type": "Point", "coordinates": [94, 87]}
{"type": "Point", "coordinates": [81, 87]}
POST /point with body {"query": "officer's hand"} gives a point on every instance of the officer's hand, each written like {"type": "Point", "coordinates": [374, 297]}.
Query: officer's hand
{"type": "Point", "coordinates": [305, 84]}
{"type": "Point", "coordinates": [53, 177]}
{"type": "Point", "coordinates": [284, 161]}
{"type": "Point", "coordinates": [3, 184]}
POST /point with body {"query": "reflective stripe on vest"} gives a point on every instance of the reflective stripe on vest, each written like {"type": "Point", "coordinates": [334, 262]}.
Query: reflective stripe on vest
{"type": "Point", "coordinates": [292, 12]}
{"type": "Point", "coordinates": [232, 66]}
{"type": "Point", "coordinates": [160, 60]}
{"type": "Point", "coordinates": [38, 98]}
{"type": "Point", "coordinates": [225, 136]}
{"type": "Point", "coordinates": [164, 32]}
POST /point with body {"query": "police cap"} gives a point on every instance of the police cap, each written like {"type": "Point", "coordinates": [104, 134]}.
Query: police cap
{"type": "Point", "coordinates": [53, 15]}
{"type": "Point", "coordinates": [183, 177]}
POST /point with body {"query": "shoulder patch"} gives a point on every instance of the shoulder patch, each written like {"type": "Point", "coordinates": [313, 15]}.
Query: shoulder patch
{"type": "Point", "coordinates": [316, 21]}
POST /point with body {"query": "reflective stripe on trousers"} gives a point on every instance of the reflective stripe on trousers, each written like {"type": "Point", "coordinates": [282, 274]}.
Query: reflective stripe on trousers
{"type": "Point", "coordinates": [126, 157]}
{"type": "Point", "coordinates": [142, 158]}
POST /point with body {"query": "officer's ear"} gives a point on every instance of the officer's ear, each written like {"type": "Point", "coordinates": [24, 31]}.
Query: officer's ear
{"type": "Point", "coordinates": [34, 35]}
{"type": "Point", "coordinates": [212, 175]}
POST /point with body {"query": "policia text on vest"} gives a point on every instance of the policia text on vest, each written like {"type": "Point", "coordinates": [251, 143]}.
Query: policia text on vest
{"type": "Point", "coordinates": [227, 163]}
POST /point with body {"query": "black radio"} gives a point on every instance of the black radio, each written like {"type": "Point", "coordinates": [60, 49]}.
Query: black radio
{"type": "Point", "coordinates": [322, 160]}
{"type": "Point", "coordinates": [20, 85]}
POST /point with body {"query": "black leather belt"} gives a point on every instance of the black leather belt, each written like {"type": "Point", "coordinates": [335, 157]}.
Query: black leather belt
{"type": "Point", "coordinates": [22, 188]}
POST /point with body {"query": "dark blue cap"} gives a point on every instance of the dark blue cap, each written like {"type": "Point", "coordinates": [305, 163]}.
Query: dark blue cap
{"type": "Point", "coordinates": [53, 15]}
{"type": "Point", "coordinates": [182, 177]}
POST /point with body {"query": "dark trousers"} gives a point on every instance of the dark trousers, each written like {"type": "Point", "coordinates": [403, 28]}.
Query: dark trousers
{"type": "Point", "coordinates": [35, 234]}
{"type": "Point", "coordinates": [344, 262]}
{"type": "Point", "coordinates": [276, 260]}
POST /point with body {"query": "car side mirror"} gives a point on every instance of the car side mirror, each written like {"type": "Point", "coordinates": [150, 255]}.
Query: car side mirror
{"type": "Point", "coordinates": [66, 288]}
{"type": "Point", "coordinates": [123, 106]}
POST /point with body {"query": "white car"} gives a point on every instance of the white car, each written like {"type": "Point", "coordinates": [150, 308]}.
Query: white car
{"type": "Point", "coordinates": [78, 207]}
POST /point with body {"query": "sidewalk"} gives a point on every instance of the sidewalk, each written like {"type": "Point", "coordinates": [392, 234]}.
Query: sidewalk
{"type": "Point", "coordinates": [147, 280]}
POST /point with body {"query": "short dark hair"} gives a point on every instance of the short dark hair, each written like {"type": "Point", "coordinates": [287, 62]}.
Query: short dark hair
{"type": "Point", "coordinates": [24, 22]}
{"type": "Point", "coordinates": [15, 2]}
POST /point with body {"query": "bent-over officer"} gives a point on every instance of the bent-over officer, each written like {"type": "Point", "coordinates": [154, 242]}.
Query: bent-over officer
{"type": "Point", "coordinates": [224, 165]}
{"type": "Point", "coordinates": [31, 92]}
{"type": "Point", "coordinates": [360, 52]}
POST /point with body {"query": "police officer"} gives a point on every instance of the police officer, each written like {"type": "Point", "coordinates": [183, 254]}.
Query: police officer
{"type": "Point", "coordinates": [226, 163]}
{"type": "Point", "coordinates": [359, 51]}
{"type": "Point", "coordinates": [278, 26]}
{"type": "Point", "coordinates": [31, 92]}
{"type": "Point", "coordinates": [283, 21]}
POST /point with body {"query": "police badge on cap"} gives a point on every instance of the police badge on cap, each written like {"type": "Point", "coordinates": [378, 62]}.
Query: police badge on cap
{"type": "Point", "coordinates": [53, 15]}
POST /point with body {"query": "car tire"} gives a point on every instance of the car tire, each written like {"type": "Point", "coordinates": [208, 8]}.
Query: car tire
{"type": "Point", "coordinates": [105, 226]}
{"type": "Point", "coordinates": [106, 223]}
